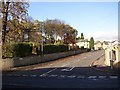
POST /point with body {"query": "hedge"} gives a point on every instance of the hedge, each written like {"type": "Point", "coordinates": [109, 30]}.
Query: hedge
{"type": "Point", "coordinates": [51, 48]}
{"type": "Point", "coordinates": [22, 49]}
{"type": "Point", "coordinates": [17, 50]}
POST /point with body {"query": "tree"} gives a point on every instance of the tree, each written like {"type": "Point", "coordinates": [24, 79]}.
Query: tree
{"type": "Point", "coordinates": [54, 28]}
{"type": "Point", "coordinates": [12, 11]}
{"type": "Point", "coordinates": [82, 36]}
{"type": "Point", "coordinates": [91, 43]}
{"type": "Point", "coordinates": [78, 38]}
{"type": "Point", "coordinates": [70, 35]}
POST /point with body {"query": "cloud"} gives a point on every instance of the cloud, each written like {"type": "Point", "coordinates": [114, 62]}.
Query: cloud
{"type": "Point", "coordinates": [103, 36]}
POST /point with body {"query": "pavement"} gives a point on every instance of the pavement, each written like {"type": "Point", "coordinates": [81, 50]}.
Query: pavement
{"type": "Point", "coordinates": [99, 62]}
{"type": "Point", "coordinates": [96, 64]}
{"type": "Point", "coordinates": [100, 65]}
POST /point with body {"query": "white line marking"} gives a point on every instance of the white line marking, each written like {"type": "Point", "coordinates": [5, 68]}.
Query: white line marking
{"type": "Point", "coordinates": [92, 77]}
{"type": "Point", "coordinates": [72, 68]}
{"type": "Point", "coordinates": [63, 76]}
{"type": "Point", "coordinates": [44, 74]}
{"type": "Point", "coordinates": [51, 71]}
{"type": "Point", "coordinates": [68, 69]}
{"type": "Point", "coordinates": [72, 76]}
{"type": "Point", "coordinates": [53, 76]}
{"type": "Point", "coordinates": [102, 77]}
{"type": "Point", "coordinates": [81, 77]}
{"type": "Point", "coordinates": [114, 77]}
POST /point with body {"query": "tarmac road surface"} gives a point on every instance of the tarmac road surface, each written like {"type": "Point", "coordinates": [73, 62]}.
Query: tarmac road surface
{"type": "Point", "coordinates": [70, 72]}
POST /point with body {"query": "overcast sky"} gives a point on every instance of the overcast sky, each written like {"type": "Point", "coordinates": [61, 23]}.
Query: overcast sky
{"type": "Point", "coordinates": [97, 19]}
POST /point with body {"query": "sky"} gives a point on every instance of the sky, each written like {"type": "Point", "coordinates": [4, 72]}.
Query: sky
{"type": "Point", "coordinates": [94, 19]}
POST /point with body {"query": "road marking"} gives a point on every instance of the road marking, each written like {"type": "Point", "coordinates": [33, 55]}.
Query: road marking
{"type": "Point", "coordinates": [81, 77]}
{"type": "Point", "coordinates": [46, 74]}
{"type": "Point", "coordinates": [92, 77]}
{"type": "Point", "coordinates": [72, 76]}
{"type": "Point", "coordinates": [43, 75]}
{"type": "Point", "coordinates": [52, 75]}
{"type": "Point", "coordinates": [113, 77]}
{"type": "Point", "coordinates": [51, 71]}
{"type": "Point", "coordinates": [63, 76]}
{"type": "Point", "coordinates": [102, 77]}
{"type": "Point", "coordinates": [68, 69]}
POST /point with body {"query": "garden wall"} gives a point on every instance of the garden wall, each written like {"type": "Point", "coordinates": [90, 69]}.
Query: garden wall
{"type": "Point", "coordinates": [15, 62]}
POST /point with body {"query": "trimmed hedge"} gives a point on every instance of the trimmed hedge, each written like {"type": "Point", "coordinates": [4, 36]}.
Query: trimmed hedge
{"type": "Point", "coordinates": [51, 48]}
{"type": "Point", "coordinates": [22, 49]}
{"type": "Point", "coordinates": [17, 50]}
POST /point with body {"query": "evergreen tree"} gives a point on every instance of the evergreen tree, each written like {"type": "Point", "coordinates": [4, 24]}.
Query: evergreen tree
{"type": "Point", "coordinates": [91, 43]}
{"type": "Point", "coordinates": [82, 36]}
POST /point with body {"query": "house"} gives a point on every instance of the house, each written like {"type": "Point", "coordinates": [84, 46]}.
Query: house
{"type": "Point", "coordinates": [112, 53]}
{"type": "Point", "coordinates": [105, 44]}
{"type": "Point", "coordinates": [83, 43]}
{"type": "Point", "coordinates": [98, 45]}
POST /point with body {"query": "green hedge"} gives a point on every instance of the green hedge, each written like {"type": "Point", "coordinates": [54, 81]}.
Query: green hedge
{"type": "Point", "coordinates": [51, 48]}
{"type": "Point", "coordinates": [17, 50]}
{"type": "Point", "coordinates": [25, 49]}
{"type": "Point", "coordinates": [22, 49]}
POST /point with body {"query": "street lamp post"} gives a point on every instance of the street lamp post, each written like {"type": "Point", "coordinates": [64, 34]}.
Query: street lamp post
{"type": "Point", "coordinates": [42, 30]}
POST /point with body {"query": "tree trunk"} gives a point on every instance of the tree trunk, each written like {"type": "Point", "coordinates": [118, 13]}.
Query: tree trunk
{"type": "Point", "coordinates": [4, 19]}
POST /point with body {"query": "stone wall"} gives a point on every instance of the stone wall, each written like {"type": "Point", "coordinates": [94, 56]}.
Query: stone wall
{"type": "Point", "coordinates": [15, 62]}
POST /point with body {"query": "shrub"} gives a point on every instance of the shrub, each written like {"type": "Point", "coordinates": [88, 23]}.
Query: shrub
{"type": "Point", "coordinates": [17, 50]}
{"type": "Point", "coordinates": [51, 48]}
{"type": "Point", "coordinates": [22, 49]}
{"type": "Point", "coordinates": [7, 51]}
{"type": "Point", "coordinates": [88, 49]}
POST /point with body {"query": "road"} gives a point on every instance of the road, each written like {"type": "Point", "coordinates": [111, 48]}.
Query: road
{"type": "Point", "coordinates": [69, 72]}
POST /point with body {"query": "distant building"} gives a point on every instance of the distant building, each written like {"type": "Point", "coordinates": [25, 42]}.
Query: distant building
{"type": "Point", "coordinates": [105, 44]}
{"type": "Point", "coordinates": [83, 43]}
{"type": "Point", "coordinates": [98, 45]}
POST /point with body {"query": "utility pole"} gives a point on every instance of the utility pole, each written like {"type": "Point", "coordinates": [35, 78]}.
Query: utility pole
{"type": "Point", "coordinates": [42, 41]}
